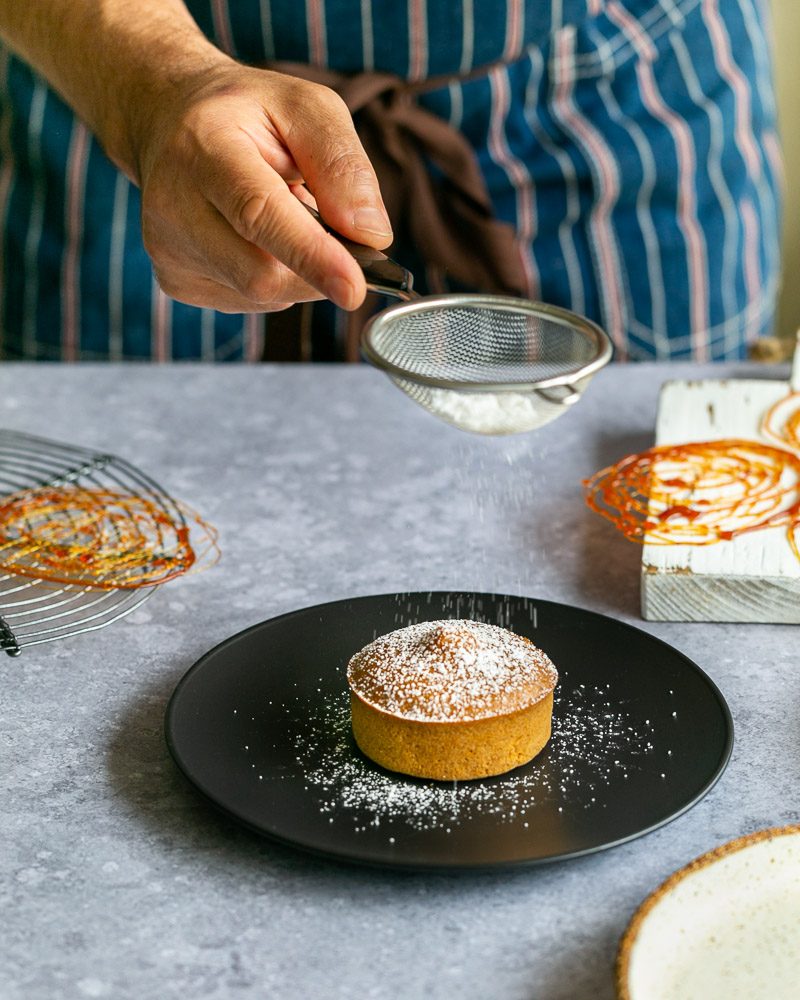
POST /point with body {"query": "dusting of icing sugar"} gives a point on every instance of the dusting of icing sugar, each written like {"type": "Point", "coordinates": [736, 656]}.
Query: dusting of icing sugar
{"type": "Point", "coordinates": [504, 412]}
{"type": "Point", "coordinates": [593, 746]}
{"type": "Point", "coordinates": [453, 670]}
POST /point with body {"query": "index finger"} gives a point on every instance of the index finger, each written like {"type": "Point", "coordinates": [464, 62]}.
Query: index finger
{"type": "Point", "coordinates": [260, 207]}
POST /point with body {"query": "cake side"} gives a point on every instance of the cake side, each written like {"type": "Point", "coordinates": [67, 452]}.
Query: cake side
{"type": "Point", "coordinates": [447, 751]}
{"type": "Point", "coordinates": [451, 700]}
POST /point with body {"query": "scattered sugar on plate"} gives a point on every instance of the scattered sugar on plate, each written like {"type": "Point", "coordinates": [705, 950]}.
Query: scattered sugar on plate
{"type": "Point", "coordinates": [591, 731]}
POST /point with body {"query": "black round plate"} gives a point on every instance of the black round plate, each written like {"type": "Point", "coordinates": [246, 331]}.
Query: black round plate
{"type": "Point", "coordinates": [260, 725]}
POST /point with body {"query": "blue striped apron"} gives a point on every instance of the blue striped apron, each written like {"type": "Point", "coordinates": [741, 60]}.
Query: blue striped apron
{"type": "Point", "coordinates": [631, 143]}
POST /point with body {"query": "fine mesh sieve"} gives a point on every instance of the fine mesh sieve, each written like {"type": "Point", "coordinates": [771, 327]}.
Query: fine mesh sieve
{"type": "Point", "coordinates": [485, 363]}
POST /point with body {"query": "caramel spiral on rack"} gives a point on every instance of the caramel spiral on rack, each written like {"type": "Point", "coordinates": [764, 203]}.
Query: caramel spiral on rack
{"type": "Point", "coordinates": [101, 537]}
{"type": "Point", "coordinates": [700, 493]}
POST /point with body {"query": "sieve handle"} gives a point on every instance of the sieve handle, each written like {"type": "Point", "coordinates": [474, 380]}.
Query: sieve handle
{"type": "Point", "coordinates": [382, 274]}
{"type": "Point", "coordinates": [564, 395]}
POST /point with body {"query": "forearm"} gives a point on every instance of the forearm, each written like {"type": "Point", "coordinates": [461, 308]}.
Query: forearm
{"type": "Point", "coordinates": [218, 149]}
{"type": "Point", "coordinates": [113, 61]}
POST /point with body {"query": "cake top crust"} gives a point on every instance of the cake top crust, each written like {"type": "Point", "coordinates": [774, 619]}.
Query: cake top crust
{"type": "Point", "coordinates": [451, 671]}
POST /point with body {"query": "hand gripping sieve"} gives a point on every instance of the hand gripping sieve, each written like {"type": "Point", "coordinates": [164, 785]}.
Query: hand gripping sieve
{"type": "Point", "coordinates": [485, 363]}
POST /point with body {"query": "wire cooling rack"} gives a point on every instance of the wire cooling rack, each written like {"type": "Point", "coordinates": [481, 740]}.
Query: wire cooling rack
{"type": "Point", "coordinates": [35, 611]}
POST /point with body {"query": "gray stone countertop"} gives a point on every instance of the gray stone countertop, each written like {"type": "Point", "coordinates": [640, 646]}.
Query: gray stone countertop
{"type": "Point", "coordinates": [326, 482]}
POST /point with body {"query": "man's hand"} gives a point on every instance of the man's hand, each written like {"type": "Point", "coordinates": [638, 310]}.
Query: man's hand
{"type": "Point", "coordinates": [221, 170]}
{"type": "Point", "coordinates": [222, 152]}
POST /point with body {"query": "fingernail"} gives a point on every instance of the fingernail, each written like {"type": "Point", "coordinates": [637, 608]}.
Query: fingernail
{"type": "Point", "coordinates": [340, 291]}
{"type": "Point", "coordinates": [372, 220]}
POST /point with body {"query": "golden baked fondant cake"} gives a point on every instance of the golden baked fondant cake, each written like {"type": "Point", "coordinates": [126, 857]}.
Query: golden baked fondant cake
{"type": "Point", "coordinates": [451, 700]}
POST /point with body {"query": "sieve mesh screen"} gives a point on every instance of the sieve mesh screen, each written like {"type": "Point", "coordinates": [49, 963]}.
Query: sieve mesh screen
{"type": "Point", "coordinates": [487, 364]}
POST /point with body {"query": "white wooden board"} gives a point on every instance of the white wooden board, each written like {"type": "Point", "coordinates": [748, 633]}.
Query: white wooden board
{"type": "Point", "coordinates": [752, 578]}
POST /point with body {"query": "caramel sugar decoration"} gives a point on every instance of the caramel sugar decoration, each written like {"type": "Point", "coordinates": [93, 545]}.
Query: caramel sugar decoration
{"type": "Point", "coordinates": [700, 493]}
{"type": "Point", "coordinates": [101, 538]}
{"type": "Point", "coordinates": [781, 422]}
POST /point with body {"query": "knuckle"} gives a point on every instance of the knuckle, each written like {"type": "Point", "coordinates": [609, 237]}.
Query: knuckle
{"type": "Point", "coordinates": [352, 165]}
{"type": "Point", "coordinates": [271, 289]}
{"type": "Point", "coordinates": [303, 260]}
{"type": "Point", "coordinates": [315, 97]}
{"type": "Point", "coordinates": [331, 102]}
{"type": "Point", "coordinates": [257, 280]}
{"type": "Point", "coordinates": [346, 161]}
{"type": "Point", "coordinates": [258, 287]}
{"type": "Point", "coordinates": [259, 221]}
{"type": "Point", "coordinates": [253, 215]}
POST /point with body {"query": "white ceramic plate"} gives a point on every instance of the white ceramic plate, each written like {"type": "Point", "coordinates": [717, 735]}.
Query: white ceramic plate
{"type": "Point", "coordinates": [725, 927]}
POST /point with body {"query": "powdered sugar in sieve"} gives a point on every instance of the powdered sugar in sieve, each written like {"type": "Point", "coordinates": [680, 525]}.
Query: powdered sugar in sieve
{"type": "Point", "coordinates": [492, 412]}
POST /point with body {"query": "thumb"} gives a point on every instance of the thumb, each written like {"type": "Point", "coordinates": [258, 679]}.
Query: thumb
{"type": "Point", "coordinates": [337, 171]}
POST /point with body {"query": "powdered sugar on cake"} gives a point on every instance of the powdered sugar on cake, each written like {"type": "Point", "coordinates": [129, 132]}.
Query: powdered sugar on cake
{"type": "Point", "coordinates": [448, 671]}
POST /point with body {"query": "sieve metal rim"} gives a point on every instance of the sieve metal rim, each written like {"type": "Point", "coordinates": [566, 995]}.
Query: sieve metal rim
{"type": "Point", "coordinates": [557, 314]}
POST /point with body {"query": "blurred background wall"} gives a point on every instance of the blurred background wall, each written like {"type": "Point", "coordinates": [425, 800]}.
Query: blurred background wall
{"type": "Point", "coordinates": [786, 21]}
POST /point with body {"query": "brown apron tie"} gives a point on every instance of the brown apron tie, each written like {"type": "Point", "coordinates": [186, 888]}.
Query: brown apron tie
{"type": "Point", "coordinates": [447, 213]}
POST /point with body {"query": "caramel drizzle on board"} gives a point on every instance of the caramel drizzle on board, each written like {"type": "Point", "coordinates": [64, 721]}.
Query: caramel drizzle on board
{"type": "Point", "coordinates": [703, 492]}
